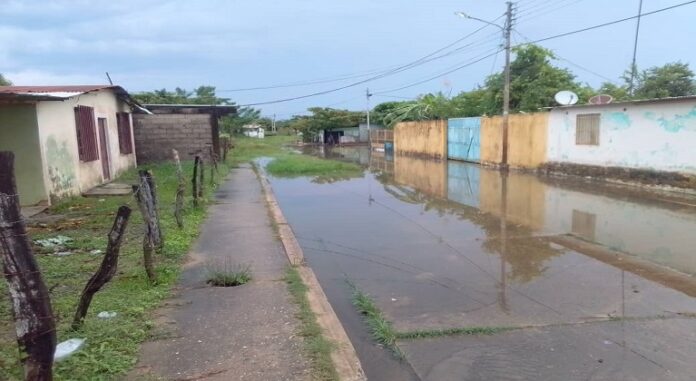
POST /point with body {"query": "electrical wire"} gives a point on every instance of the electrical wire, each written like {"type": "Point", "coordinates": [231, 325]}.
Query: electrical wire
{"type": "Point", "coordinates": [608, 23]}
{"type": "Point", "coordinates": [535, 15]}
{"type": "Point", "coordinates": [398, 69]}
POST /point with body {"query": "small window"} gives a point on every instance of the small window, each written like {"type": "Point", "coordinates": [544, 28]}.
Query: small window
{"type": "Point", "coordinates": [125, 142]}
{"type": "Point", "coordinates": [86, 133]}
{"type": "Point", "coordinates": [587, 129]}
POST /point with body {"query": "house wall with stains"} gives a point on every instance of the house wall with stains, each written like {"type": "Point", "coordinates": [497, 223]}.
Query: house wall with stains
{"type": "Point", "coordinates": [658, 136]}
{"type": "Point", "coordinates": [64, 173]}
{"type": "Point", "coordinates": [19, 134]}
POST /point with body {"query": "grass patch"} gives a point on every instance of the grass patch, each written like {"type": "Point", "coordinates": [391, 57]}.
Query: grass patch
{"type": "Point", "coordinates": [293, 165]}
{"type": "Point", "coordinates": [290, 164]}
{"type": "Point", "coordinates": [228, 275]}
{"type": "Point", "coordinates": [380, 328]}
{"type": "Point", "coordinates": [316, 345]}
{"type": "Point", "coordinates": [112, 346]}
{"type": "Point", "coordinates": [422, 334]}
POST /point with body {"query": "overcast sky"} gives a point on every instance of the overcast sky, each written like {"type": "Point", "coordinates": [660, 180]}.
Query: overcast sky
{"type": "Point", "coordinates": [147, 45]}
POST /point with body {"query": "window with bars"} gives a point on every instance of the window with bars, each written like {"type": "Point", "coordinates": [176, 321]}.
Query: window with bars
{"type": "Point", "coordinates": [125, 141]}
{"type": "Point", "coordinates": [587, 129]}
{"type": "Point", "coordinates": [86, 133]}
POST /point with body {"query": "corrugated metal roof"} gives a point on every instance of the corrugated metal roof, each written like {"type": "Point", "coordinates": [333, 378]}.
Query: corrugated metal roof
{"type": "Point", "coordinates": [54, 89]}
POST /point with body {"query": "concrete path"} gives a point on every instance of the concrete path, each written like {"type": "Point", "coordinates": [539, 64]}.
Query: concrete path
{"type": "Point", "coordinates": [236, 333]}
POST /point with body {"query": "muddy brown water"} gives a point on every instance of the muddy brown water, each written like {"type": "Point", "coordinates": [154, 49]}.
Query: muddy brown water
{"type": "Point", "coordinates": [450, 244]}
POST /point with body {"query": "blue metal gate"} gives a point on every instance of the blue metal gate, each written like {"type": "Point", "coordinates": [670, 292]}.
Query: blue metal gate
{"type": "Point", "coordinates": [464, 139]}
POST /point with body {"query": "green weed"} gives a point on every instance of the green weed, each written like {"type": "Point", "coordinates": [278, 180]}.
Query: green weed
{"type": "Point", "coordinates": [293, 165]}
{"type": "Point", "coordinates": [112, 346]}
{"type": "Point", "coordinates": [316, 345]}
{"type": "Point", "coordinates": [226, 274]}
{"type": "Point", "coordinates": [421, 334]}
{"type": "Point", "coordinates": [380, 328]}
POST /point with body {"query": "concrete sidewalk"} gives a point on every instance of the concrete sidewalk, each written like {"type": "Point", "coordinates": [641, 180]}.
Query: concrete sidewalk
{"type": "Point", "coordinates": [236, 333]}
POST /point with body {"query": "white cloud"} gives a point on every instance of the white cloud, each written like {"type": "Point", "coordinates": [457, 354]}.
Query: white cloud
{"type": "Point", "coordinates": [38, 77]}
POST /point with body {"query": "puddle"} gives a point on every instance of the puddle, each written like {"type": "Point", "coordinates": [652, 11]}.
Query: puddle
{"type": "Point", "coordinates": [451, 244]}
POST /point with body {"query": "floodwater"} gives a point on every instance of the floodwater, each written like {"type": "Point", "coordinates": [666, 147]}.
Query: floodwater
{"type": "Point", "coordinates": [598, 279]}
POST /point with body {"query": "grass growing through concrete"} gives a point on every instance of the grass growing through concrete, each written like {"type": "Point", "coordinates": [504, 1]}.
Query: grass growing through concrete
{"type": "Point", "coordinates": [422, 334]}
{"type": "Point", "coordinates": [317, 346]}
{"type": "Point", "coordinates": [228, 275]}
{"type": "Point", "coordinates": [112, 346]}
{"type": "Point", "coordinates": [380, 328]}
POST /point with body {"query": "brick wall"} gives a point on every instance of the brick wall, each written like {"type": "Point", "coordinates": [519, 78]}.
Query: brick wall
{"type": "Point", "coordinates": [156, 135]}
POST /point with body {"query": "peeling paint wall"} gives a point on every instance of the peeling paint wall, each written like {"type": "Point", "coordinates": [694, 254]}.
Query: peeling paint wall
{"type": "Point", "coordinates": [64, 174]}
{"type": "Point", "coordinates": [655, 136]}
{"type": "Point", "coordinates": [427, 138]}
{"type": "Point", "coordinates": [19, 134]}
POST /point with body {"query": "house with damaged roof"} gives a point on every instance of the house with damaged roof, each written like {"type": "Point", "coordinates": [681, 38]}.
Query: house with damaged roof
{"type": "Point", "coordinates": [66, 139]}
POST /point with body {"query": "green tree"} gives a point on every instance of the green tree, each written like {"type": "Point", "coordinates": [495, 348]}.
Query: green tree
{"type": "Point", "coordinates": [323, 118]}
{"type": "Point", "coordinates": [201, 95]}
{"type": "Point", "coordinates": [670, 80]}
{"type": "Point", "coordinates": [244, 116]}
{"type": "Point", "coordinates": [618, 92]}
{"type": "Point", "coordinates": [4, 81]}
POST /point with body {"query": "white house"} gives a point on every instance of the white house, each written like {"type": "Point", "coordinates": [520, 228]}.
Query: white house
{"type": "Point", "coordinates": [254, 131]}
{"type": "Point", "coordinates": [66, 139]}
{"type": "Point", "coordinates": [655, 134]}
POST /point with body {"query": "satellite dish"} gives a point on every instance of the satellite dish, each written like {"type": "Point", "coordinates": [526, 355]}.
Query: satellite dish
{"type": "Point", "coordinates": [601, 99]}
{"type": "Point", "coordinates": [566, 98]}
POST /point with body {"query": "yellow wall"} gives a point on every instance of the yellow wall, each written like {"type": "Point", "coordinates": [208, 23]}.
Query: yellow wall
{"type": "Point", "coordinates": [426, 138]}
{"type": "Point", "coordinates": [527, 136]}
{"type": "Point", "coordinates": [526, 197]}
{"type": "Point", "coordinates": [427, 176]}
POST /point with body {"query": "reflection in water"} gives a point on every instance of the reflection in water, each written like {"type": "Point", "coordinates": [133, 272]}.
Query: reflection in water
{"type": "Point", "coordinates": [451, 244]}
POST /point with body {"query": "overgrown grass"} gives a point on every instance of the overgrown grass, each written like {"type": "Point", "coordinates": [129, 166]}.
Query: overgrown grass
{"type": "Point", "coordinates": [226, 274]}
{"type": "Point", "coordinates": [247, 149]}
{"type": "Point", "coordinates": [112, 345]}
{"type": "Point", "coordinates": [380, 328]}
{"type": "Point", "coordinates": [316, 345]}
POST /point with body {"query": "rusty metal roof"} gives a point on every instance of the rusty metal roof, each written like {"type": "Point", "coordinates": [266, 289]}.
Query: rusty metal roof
{"type": "Point", "coordinates": [54, 89]}
{"type": "Point", "coordinates": [20, 94]}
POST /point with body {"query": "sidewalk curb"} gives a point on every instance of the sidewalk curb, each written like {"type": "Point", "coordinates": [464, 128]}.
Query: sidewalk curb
{"type": "Point", "coordinates": [344, 357]}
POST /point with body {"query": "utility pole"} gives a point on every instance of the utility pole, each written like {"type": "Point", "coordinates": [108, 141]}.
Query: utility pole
{"type": "Point", "coordinates": [273, 126]}
{"type": "Point", "coordinates": [635, 50]}
{"type": "Point", "coordinates": [367, 97]}
{"type": "Point", "coordinates": [506, 90]}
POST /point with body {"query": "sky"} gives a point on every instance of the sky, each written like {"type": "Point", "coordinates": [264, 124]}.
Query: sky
{"type": "Point", "coordinates": [233, 44]}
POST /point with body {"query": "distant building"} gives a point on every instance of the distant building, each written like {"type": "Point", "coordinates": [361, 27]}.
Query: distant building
{"type": "Point", "coordinates": [66, 139]}
{"type": "Point", "coordinates": [254, 131]}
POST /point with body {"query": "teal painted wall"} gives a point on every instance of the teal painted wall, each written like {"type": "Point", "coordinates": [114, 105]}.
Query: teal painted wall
{"type": "Point", "coordinates": [19, 133]}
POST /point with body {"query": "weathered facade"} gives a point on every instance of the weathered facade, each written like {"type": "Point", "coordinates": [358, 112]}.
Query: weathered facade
{"type": "Point", "coordinates": [426, 138]}
{"type": "Point", "coordinates": [190, 129]}
{"type": "Point", "coordinates": [656, 135]}
{"type": "Point", "coordinates": [527, 137]}
{"type": "Point", "coordinates": [57, 153]}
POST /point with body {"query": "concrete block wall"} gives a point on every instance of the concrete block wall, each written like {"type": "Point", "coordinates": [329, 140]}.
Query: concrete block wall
{"type": "Point", "coordinates": [426, 138]}
{"type": "Point", "coordinates": [156, 135]}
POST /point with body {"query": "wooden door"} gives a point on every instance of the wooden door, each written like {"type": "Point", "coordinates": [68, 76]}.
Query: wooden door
{"type": "Point", "coordinates": [104, 147]}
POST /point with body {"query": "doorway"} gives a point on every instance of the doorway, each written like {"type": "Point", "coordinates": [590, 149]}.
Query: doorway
{"type": "Point", "coordinates": [104, 148]}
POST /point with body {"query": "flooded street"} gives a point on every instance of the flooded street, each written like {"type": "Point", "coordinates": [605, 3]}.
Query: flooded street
{"type": "Point", "coordinates": [594, 281]}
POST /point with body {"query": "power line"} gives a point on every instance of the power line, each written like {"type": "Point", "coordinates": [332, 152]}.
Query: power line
{"type": "Point", "coordinates": [398, 69]}
{"type": "Point", "coordinates": [444, 73]}
{"type": "Point", "coordinates": [533, 15]}
{"type": "Point", "coordinates": [609, 23]}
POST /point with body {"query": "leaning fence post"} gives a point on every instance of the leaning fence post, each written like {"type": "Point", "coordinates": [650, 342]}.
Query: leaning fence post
{"type": "Point", "coordinates": [194, 180]}
{"type": "Point", "coordinates": [143, 195]}
{"type": "Point", "coordinates": [31, 306]}
{"type": "Point", "coordinates": [107, 269]}
{"type": "Point", "coordinates": [181, 187]}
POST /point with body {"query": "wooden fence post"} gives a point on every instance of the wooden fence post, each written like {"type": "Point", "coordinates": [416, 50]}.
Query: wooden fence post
{"type": "Point", "coordinates": [181, 188]}
{"type": "Point", "coordinates": [194, 180]}
{"type": "Point", "coordinates": [201, 177]}
{"type": "Point", "coordinates": [143, 195]}
{"type": "Point", "coordinates": [108, 266]}
{"type": "Point", "coordinates": [159, 237]}
{"type": "Point", "coordinates": [31, 306]}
